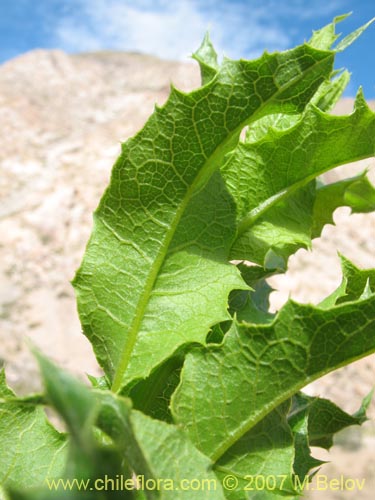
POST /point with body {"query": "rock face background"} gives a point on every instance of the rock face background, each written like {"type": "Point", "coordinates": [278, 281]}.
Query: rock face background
{"type": "Point", "coordinates": [62, 119]}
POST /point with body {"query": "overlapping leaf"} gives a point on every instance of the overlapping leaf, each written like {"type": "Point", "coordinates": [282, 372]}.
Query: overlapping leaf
{"type": "Point", "coordinates": [230, 388]}
{"type": "Point", "coordinates": [171, 457]}
{"type": "Point", "coordinates": [325, 419]}
{"type": "Point", "coordinates": [303, 460]}
{"type": "Point", "coordinates": [89, 456]}
{"type": "Point", "coordinates": [128, 445]}
{"type": "Point", "coordinates": [262, 460]}
{"type": "Point", "coordinates": [357, 193]}
{"type": "Point", "coordinates": [271, 171]}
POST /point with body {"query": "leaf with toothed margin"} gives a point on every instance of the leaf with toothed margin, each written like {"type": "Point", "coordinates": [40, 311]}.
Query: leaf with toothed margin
{"type": "Point", "coordinates": [325, 99]}
{"type": "Point", "coordinates": [156, 279]}
{"type": "Point", "coordinates": [89, 456]}
{"type": "Point", "coordinates": [331, 91]}
{"type": "Point", "coordinates": [207, 59]}
{"type": "Point", "coordinates": [130, 447]}
{"type": "Point", "coordinates": [125, 448]}
{"type": "Point", "coordinates": [356, 283]}
{"type": "Point", "coordinates": [298, 421]}
{"type": "Point", "coordinates": [31, 449]}
{"type": "Point", "coordinates": [357, 193]}
{"type": "Point", "coordinates": [356, 280]}
{"type": "Point", "coordinates": [326, 36]}
{"type": "Point", "coordinates": [259, 366]}
{"type": "Point", "coordinates": [293, 222]}
{"type": "Point", "coordinates": [252, 306]}
{"type": "Point", "coordinates": [284, 228]}
{"type": "Point", "coordinates": [271, 207]}
{"type": "Point", "coordinates": [325, 419]}
{"type": "Point", "coordinates": [265, 452]}
{"type": "Point", "coordinates": [157, 243]}
{"type": "Point", "coordinates": [166, 452]}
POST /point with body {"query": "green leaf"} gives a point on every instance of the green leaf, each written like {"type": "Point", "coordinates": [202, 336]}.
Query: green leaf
{"type": "Point", "coordinates": [70, 398]}
{"type": "Point", "coordinates": [325, 419]}
{"type": "Point", "coordinates": [330, 92]}
{"type": "Point", "coordinates": [184, 332]}
{"type": "Point", "coordinates": [325, 37]}
{"type": "Point", "coordinates": [171, 457]}
{"type": "Point", "coordinates": [152, 395]}
{"type": "Point", "coordinates": [356, 283]}
{"type": "Point", "coordinates": [143, 255]}
{"type": "Point", "coordinates": [293, 222]}
{"type": "Point", "coordinates": [30, 448]}
{"type": "Point", "coordinates": [357, 193]}
{"type": "Point", "coordinates": [259, 366]}
{"type": "Point", "coordinates": [299, 423]}
{"type": "Point", "coordinates": [283, 229]}
{"type": "Point", "coordinates": [89, 457]}
{"type": "Point", "coordinates": [252, 306]}
{"type": "Point", "coordinates": [114, 419]}
{"type": "Point", "coordinates": [357, 280]}
{"type": "Point", "coordinates": [270, 210]}
{"type": "Point", "coordinates": [179, 459]}
{"type": "Point", "coordinates": [348, 40]}
{"type": "Point", "coordinates": [129, 448]}
{"type": "Point", "coordinates": [207, 58]}
{"type": "Point", "coordinates": [265, 453]}
{"type": "Point", "coordinates": [325, 99]}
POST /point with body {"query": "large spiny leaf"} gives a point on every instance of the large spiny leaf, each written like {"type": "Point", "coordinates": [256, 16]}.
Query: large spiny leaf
{"type": "Point", "coordinates": [139, 219]}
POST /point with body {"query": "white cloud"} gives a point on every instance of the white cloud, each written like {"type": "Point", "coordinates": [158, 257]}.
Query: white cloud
{"type": "Point", "coordinates": [174, 29]}
{"type": "Point", "coordinates": [169, 29]}
{"type": "Point", "coordinates": [115, 24]}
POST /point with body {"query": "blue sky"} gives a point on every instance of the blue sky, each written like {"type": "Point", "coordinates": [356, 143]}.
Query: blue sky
{"type": "Point", "coordinates": [173, 29]}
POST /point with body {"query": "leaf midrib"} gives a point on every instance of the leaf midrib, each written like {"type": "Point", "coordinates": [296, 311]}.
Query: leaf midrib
{"type": "Point", "coordinates": [158, 262]}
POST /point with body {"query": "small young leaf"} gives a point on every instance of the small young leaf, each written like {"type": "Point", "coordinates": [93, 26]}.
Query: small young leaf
{"type": "Point", "coordinates": [324, 38]}
{"type": "Point", "coordinates": [356, 284]}
{"type": "Point", "coordinates": [325, 419]}
{"type": "Point", "coordinates": [303, 461]}
{"type": "Point", "coordinates": [356, 280]}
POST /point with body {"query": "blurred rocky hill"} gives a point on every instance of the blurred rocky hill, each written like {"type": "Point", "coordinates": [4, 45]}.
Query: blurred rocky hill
{"type": "Point", "coordinates": [63, 118]}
